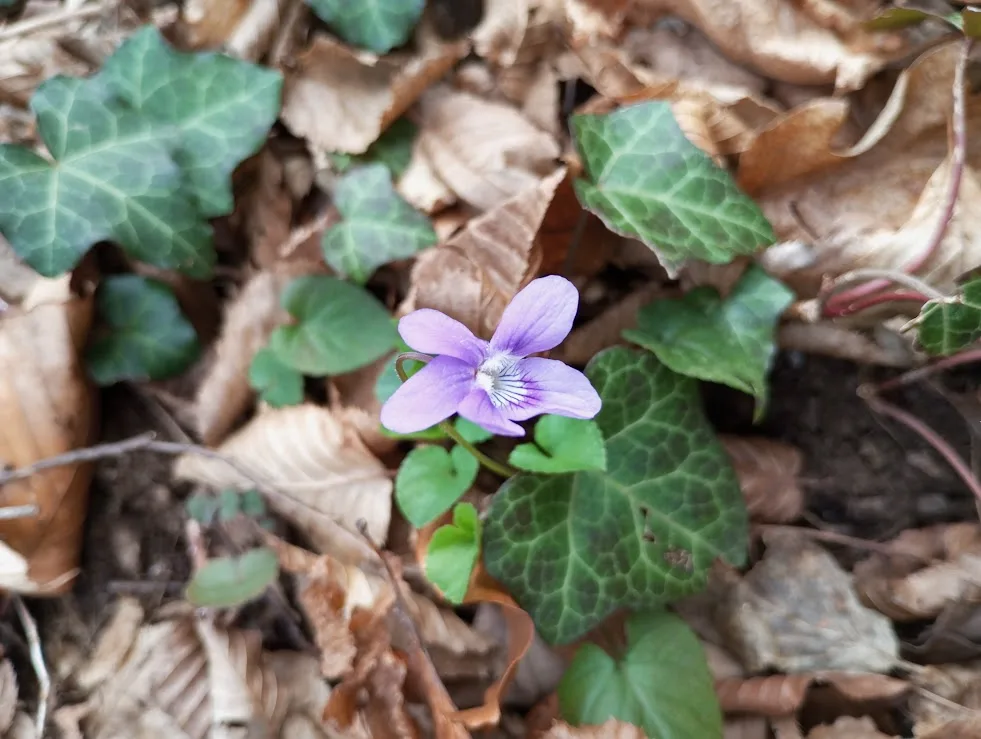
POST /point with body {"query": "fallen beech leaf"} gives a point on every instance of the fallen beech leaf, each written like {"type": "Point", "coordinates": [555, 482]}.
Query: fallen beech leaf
{"type": "Point", "coordinates": [242, 28]}
{"type": "Point", "coordinates": [341, 100]}
{"type": "Point", "coordinates": [961, 728]}
{"type": "Point", "coordinates": [501, 30]}
{"type": "Point", "coordinates": [848, 727]}
{"type": "Point", "coordinates": [475, 274]}
{"type": "Point", "coordinates": [485, 152]}
{"type": "Point", "coordinates": [796, 611]}
{"type": "Point", "coordinates": [612, 729]}
{"type": "Point", "coordinates": [46, 409]}
{"type": "Point", "coordinates": [947, 702]}
{"type": "Point", "coordinates": [767, 472]}
{"type": "Point", "coordinates": [783, 695]}
{"type": "Point", "coordinates": [319, 475]}
{"type": "Point", "coordinates": [746, 727]}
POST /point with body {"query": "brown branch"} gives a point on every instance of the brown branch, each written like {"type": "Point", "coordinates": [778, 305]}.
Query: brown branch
{"type": "Point", "coordinates": [921, 373]}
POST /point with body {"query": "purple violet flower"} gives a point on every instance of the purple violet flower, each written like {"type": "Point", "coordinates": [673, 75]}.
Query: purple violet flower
{"type": "Point", "coordinates": [494, 383]}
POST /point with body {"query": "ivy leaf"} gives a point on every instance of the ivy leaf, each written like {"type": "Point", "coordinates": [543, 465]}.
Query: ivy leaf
{"type": "Point", "coordinates": [728, 341]}
{"type": "Point", "coordinates": [393, 149]}
{"type": "Point", "coordinates": [453, 552]}
{"type": "Point", "coordinates": [378, 226]}
{"type": "Point", "coordinates": [562, 445]}
{"type": "Point", "coordinates": [112, 178]}
{"type": "Point", "coordinates": [377, 25]}
{"type": "Point", "coordinates": [231, 581]}
{"type": "Point", "coordinates": [148, 336]}
{"type": "Point", "coordinates": [648, 181]}
{"type": "Point", "coordinates": [661, 684]}
{"type": "Point", "coordinates": [573, 548]}
{"type": "Point", "coordinates": [430, 480]}
{"type": "Point", "coordinates": [340, 327]}
{"type": "Point", "coordinates": [946, 326]}
{"type": "Point", "coordinates": [201, 507]}
{"type": "Point", "coordinates": [278, 384]}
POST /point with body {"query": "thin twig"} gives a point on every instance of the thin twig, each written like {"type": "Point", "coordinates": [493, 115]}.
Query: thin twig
{"type": "Point", "coordinates": [834, 537]}
{"type": "Point", "coordinates": [37, 662]}
{"type": "Point", "coordinates": [958, 158]}
{"type": "Point", "coordinates": [869, 301]}
{"type": "Point", "coordinates": [921, 373]}
{"type": "Point", "coordinates": [41, 22]}
{"type": "Point", "coordinates": [836, 300]}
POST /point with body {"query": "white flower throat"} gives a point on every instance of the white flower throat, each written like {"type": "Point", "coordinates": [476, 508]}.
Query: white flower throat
{"type": "Point", "coordinates": [499, 376]}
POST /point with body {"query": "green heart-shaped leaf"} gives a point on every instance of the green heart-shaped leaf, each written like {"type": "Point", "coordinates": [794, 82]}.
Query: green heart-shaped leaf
{"type": "Point", "coordinates": [215, 111]}
{"type": "Point", "coordinates": [728, 341]}
{"type": "Point", "coordinates": [340, 327]}
{"type": "Point", "coordinates": [573, 548]}
{"type": "Point", "coordinates": [470, 431]}
{"type": "Point", "coordinates": [430, 480]}
{"type": "Point", "coordinates": [378, 25]}
{"type": "Point", "coordinates": [231, 581]}
{"type": "Point", "coordinates": [661, 684]}
{"type": "Point", "coordinates": [562, 445]}
{"type": "Point", "coordinates": [393, 149]}
{"type": "Point", "coordinates": [453, 552]}
{"type": "Point", "coordinates": [946, 326]}
{"type": "Point", "coordinates": [378, 226]}
{"type": "Point", "coordinates": [648, 181]}
{"type": "Point", "coordinates": [277, 383]}
{"type": "Point", "coordinates": [148, 336]}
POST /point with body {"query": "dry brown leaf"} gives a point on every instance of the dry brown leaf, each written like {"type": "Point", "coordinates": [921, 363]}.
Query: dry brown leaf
{"type": "Point", "coordinates": [318, 473]}
{"type": "Point", "coordinates": [46, 409]}
{"type": "Point", "coordinates": [16, 278]}
{"type": "Point", "coordinates": [948, 700]}
{"type": "Point", "coordinates": [961, 728]}
{"type": "Point", "coordinates": [848, 727]}
{"type": "Point", "coordinates": [243, 28]}
{"type": "Point", "coordinates": [354, 401]}
{"type": "Point", "coordinates": [421, 186]}
{"type": "Point", "coordinates": [341, 100]}
{"type": "Point", "coordinates": [502, 30]}
{"type": "Point", "coordinates": [783, 695]}
{"type": "Point", "coordinates": [745, 727]}
{"type": "Point", "coordinates": [795, 611]}
{"type": "Point", "coordinates": [883, 347]}
{"type": "Point", "coordinates": [8, 696]}
{"type": "Point", "coordinates": [486, 152]}
{"type": "Point", "coordinates": [114, 643]}
{"type": "Point", "coordinates": [473, 276]}
{"type": "Point", "coordinates": [767, 472]}
{"type": "Point", "coordinates": [612, 729]}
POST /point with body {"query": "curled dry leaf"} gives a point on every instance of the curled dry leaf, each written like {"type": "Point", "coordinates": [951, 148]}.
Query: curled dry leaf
{"type": "Point", "coordinates": [485, 152]}
{"type": "Point", "coordinates": [474, 274]}
{"type": "Point", "coordinates": [796, 611]}
{"type": "Point", "coordinates": [612, 729]}
{"type": "Point", "coordinates": [317, 473]}
{"type": "Point", "coordinates": [767, 472]}
{"type": "Point", "coordinates": [243, 28]}
{"type": "Point", "coordinates": [46, 409]}
{"type": "Point", "coordinates": [783, 695]}
{"type": "Point", "coordinates": [877, 203]}
{"type": "Point", "coordinates": [944, 568]}
{"type": "Point", "coordinates": [341, 100]}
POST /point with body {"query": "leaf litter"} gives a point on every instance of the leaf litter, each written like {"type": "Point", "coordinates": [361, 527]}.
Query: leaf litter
{"type": "Point", "coordinates": [734, 199]}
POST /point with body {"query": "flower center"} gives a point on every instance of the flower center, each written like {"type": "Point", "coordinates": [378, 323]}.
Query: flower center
{"type": "Point", "coordinates": [498, 376]}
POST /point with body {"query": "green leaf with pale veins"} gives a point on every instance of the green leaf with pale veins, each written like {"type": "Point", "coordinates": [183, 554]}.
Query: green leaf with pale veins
{"type": "Point", "coordinates": [562, 445]}
{"type": "Point", "coordinates": [453, 552]}
{"type": "Point", "coordinates": [378, 25]}
{"type": "Point", "coordinates": [112, 178]}
{"type": "Point", "coordinates": [230, 581]}
{"type": "Point", "coordinates": [430, 480]}
{"type": "Point", "coordinates": [646, 180]}
{"type": "Point", "coordinates": [215, 111]}
{"type": "Point", "coordinates": [393, 149]}
{"type": "Point", "coordinates": [574, 548]}
{"type": "Point", "coordinates": [339, 327]}
{"type": "Point", "coordinates": [145, 335]}
{"type": "Point", "coordinates": [950, 324]}
{"type": "Point", "coordinates": [377, 225]}
{"type": "Point", "coordinates": [278, 384]}
{"type": "Point", "coordinates": [727, 341]}
{"type": "Point", "coordinates": [661, 683]}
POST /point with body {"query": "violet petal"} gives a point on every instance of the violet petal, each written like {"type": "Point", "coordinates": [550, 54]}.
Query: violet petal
{"type": "Point", "coordinates": [431, 395]}
{"type": "Point", "coordinates": [539, 317]}
{"type": "Point", "coordinates": [478, 409]}
{"type": "Point", "coordinates": [555, 388]}
{"type": "Point", "coordinates": [427, 330]}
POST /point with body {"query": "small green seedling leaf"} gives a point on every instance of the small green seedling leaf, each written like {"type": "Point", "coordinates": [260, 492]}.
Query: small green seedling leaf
{"type": "Point", "coordinates": [252, 504]}
{"type": "Point", "coordinates": [661, 684]}
{"type": "Point", "coordinates": [453, 552]}
{"type": "Point", "coordinates": [277, 383]}
{"type": "Point", "coordinates": [340, 327]}
{"type": "Point", "coordinates": [950, 324]}
{"type": "Point", "coordinates": [470, 431]}
{"type": "Point", "coordinates": [147, 336]}
{"type": "Point", "coordinates": [430, 480]}
{"type": "Point", "coordinates": [214, 111]}
{"type": "Point", "coordinates": [111, 177]}
{"type": "Point", "coordinates": [377, 25]}
{"type": "Point", "coordinates": [574, 548]}
{"type": "Point", "coordinates": [562, 445]}
{"type": "Point", "coordinates": [229, 505]}
{"type": "Point", "coordinates": [377, 225]}
{"type": "Point", "coordinates": [728, 341]}
{"type": "Point", "coordinates": [393, 149]}
{"type": "Point", "coordinates": [646, 180]}
{"type": "Point", "coordinates": [231, 581]}
{"type": "Point", "coordinates": [202, 508]}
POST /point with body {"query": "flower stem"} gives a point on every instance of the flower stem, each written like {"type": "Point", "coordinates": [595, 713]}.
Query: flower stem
{"type": "Point", "coordinates": [500, 468]}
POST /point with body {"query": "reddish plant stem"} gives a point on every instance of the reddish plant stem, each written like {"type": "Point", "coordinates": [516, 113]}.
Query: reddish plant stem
{"type": "Point", "coordinates": [872, 300]}
{"type": "Point", "coordinates": [920, 373]}
{"type": "Point", "coordinates": [958, 158]}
